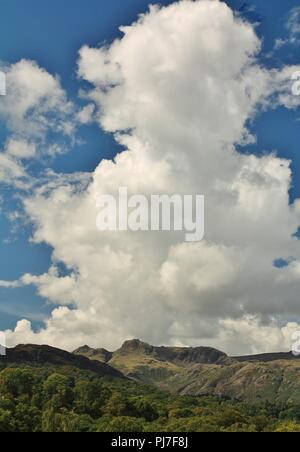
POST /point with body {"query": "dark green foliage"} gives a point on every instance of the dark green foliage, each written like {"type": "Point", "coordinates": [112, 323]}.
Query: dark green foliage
{"type": "Point", "coordinates": [65, 399]}
{"type": "Point", "coordinates": [16, 382]}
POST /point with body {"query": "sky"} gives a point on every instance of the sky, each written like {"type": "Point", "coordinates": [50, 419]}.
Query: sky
{"type": "Point", "coordinates": [82, 91]}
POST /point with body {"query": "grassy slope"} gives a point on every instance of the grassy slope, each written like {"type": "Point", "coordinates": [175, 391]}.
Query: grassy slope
{"type": "Point", "coordinates": [275, 381]}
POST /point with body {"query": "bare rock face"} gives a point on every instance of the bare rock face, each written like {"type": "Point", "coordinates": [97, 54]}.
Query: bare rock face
{"type": "Point", "coordinates": [135, 346]}
{"type": "Point", "coordinates": [178, 355]}
{"type": "Point", "coordinates": [98, 354]}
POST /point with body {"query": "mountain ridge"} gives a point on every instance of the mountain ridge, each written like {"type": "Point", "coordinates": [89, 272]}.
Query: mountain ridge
{"type": "Point", "coordinates": [206, 371]}
{"type": "Point", "coordinates": [267, 357]}
{"type": "Point", "coordinates": [201, 355]}
{"type": "Point", "coordinates": [40, 355]}
{"type": "Point", "coordinates": [136, 345]}
{"type": "Point", "coordinates": [100, 354]}
{"type": "Point", "coordinates": [198, 371]}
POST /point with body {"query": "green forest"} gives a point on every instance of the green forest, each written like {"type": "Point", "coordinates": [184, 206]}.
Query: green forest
{"type": "Point", "coordinates": [66, 399]}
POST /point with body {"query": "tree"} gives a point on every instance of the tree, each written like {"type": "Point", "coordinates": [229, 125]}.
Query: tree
{"type": "Point", "coordinates": [145, 410]}
{"type": "Point", "coordinates": [118, 405]}
{"type": "Point", "coordinates": [7, 424]}
{"type": "Point", "coordinates": [292, 414]}
{"type": "Point", "coordinates": [121, 424]}
{"type": "Point", "coordinates": [90, 397]}
{"type": "Point", "coordinates": [27, 418]}
{"type": "Point", "coordinates": [57, 389]}
{"type": "Point", "coordinates": [65, 422]}
{"type": "Point", "coordinates": [16, 382]}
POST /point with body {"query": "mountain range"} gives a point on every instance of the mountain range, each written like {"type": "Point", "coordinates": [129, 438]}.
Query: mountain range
{"type": "Point", "coordinates": [206, 371]}
{"type": "Point", "coordinates": [182, 371]}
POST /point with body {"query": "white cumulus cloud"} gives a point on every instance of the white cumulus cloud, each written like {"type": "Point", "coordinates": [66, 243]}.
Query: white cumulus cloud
{"type": "Point", "coordinates": [177, 91]}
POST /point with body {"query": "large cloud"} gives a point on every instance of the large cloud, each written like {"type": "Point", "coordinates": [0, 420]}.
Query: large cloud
{"type": "Point", "coordinates": [35, 106]}
{"type": "Point", "coordinates": [35, 101]}
{"type": "Point", "coordinates": [177, 90]}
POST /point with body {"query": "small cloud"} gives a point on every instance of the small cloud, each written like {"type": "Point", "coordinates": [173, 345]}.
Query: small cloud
{"type": "Point", "coordinates": [85, 116]}
{"type": "Point", "coordinates": [293, 22]}
{"type": "Point", "coordinates": [279, 43]}
{"type": "Point", "coordinates": [10, 284]}
{"type": "Point", "coordinates": [20, 149]}
{"type": "Point", "coordinates": [292, 25]}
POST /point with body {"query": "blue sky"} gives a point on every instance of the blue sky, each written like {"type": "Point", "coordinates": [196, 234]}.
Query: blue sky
{"type": "Point", "coordinates": [51, 32]}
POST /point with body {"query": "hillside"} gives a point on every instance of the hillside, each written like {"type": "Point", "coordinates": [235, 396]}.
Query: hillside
{"type": "Point", "coordinates": [43, 355]}
{"type": "Point", "coordinates": [206, 371]}
{"type": "Point", "coordinates": [155, 365]}
{"type": "Point", "coordinates": [98, 354]}
{"type": "Point", "coordinates": [267, 357]}
{"type": "Point", "coordinates": [50, 390]}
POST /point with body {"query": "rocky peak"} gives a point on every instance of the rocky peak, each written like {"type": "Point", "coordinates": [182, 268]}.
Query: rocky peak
{"type": "Point", "coordinates": [136, 346]}
{"type": "Point", "coordinates": [83, 349]}
{"type": "Point", "coordinates": [190, 355]}
{"type": "Point", "coordinates": [180, 355]}
{"type": "Point", "coordinates": [99, 354]}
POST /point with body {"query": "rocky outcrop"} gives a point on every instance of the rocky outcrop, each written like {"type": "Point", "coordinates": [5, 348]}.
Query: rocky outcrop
{"type": "Point", "coordinates": [176, 355]}
{"type": "Point", "coordinates": [98, 354]}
